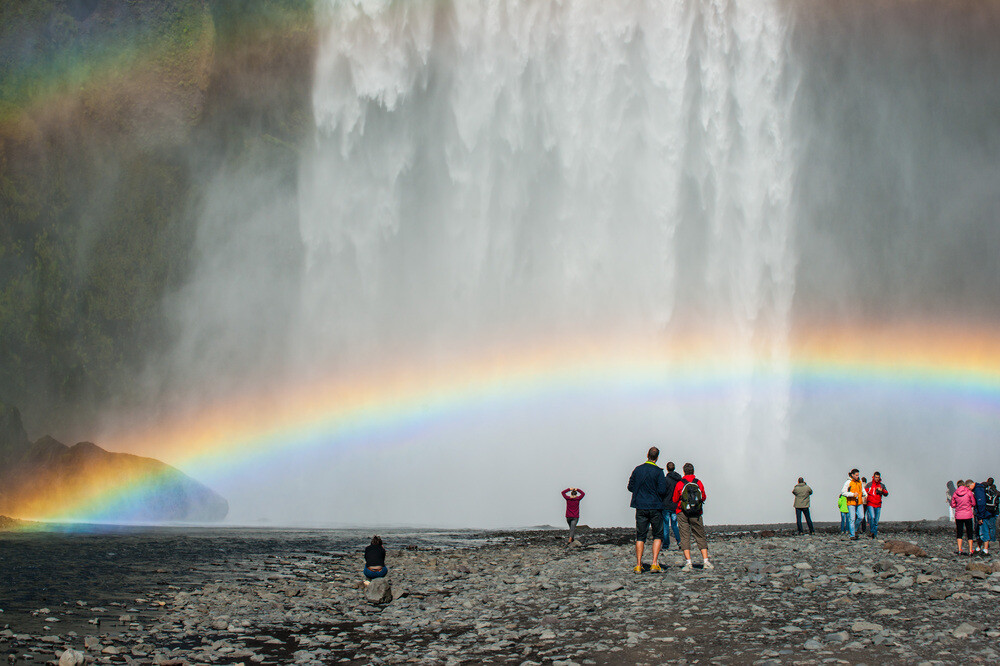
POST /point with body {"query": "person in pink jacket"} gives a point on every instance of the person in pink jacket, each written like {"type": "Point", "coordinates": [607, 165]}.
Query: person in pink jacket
{"type": "Point", "coordinates": [964, 503]}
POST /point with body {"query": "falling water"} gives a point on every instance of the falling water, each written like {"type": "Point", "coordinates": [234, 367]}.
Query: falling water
{"type": "Point", "coordinates": [494, 169]}
{"type": "Point", "coordinates": [508, 175]}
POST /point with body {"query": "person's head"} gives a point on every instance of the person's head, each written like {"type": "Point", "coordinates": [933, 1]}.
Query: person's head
{"type": "Point", "coordinates": [688, 468]}
{"type": "Point", "coordinates": [864, 480]}
{"type": "Point", "coordinates": [877, 476]}
{"type": "Point", "coordinates": [961, 484]}
{"type": "Point", "coordinates": [854, 473]}
{"type": "Point", "coordinates": [670, 466]}
{"type": "Point", "coordinates": [969, 483]}
{"type": "Point", "coordinates": [989, 481]}
{"type": "Point", "coordinates": [801, 480]}
{"type": "Point", "coordinates": [573, 492]}
{"type": "Point", "coordinates": [376, 540]}
{"type": "Point", "coordinates": [951, 486]}
{"type": "Point", "coordinates": [653, 453]}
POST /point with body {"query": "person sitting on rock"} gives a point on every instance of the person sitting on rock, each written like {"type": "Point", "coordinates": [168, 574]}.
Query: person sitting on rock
{"type": "Point", "coordinates": [375, 560]}
{"type": "Point", "coordinates": [572, 497]}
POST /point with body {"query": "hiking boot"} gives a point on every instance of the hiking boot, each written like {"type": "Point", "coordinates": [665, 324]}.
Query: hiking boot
{"type": "Point", "coordinates": [638, 568]}
{"type": "Point", "coordinates": [707, 565]}
{"type": "Point", "coordinates": [655, 568]}
{"type": "Point", "coordinates": [687, 567]}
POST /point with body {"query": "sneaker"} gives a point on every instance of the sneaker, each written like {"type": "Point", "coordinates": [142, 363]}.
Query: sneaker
{"type": "Point", "coordinates": [707, 565]}
{"type": "Point", "coordinates": [687, 567]}
{"type": "Point", "coordinates": [638, 568]}
{"type": "Point", "coordinates": [655, 568]}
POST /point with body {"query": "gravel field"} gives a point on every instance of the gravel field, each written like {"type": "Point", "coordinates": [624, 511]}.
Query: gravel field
{"type": "Point", "coordinates": [231, 596]}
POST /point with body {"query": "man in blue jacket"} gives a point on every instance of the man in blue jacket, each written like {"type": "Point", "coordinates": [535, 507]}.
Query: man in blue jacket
{"type": "Point", "coordinates": [648, 487]}
{"type": "Point", "coordinates": [670, 508]}
{"type": "Point", "coordinates": [982, 530]}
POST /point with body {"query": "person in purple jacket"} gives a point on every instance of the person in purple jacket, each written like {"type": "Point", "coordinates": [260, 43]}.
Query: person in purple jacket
{"type": "Point", "coordinates": [572, 497]}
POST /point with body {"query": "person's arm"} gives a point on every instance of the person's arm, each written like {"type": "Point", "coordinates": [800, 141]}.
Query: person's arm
{"type": "Point", "coordinates": [846, 490]}
{"type": "Point", "coordinates": [676, 497]}
{"type": "Point", "coordinates": [701, 486]}
{"type": "Point", "coordinates": [809, 489]}
{"type": "Point", "coordinates": [884, 491]}
{"type": "Point", "coordinates": [631, 483]}
{"type": "Point", "coordinates": [566, 494]}
{"type": "Point", "coordinates": [580, 496]}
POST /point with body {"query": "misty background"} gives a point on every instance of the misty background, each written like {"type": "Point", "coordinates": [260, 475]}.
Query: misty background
{"type": "Point", "coordinates": [227, 203]}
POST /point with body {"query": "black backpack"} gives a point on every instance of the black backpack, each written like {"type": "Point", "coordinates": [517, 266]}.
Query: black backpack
{"type": "Point", "coordinates": [691, 499]}
{"type": "Point", "coordinates": [992, 500]}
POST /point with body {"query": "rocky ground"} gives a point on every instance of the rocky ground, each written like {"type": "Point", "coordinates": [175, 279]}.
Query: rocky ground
{"type": "Point", "coordinates": [514, 598]}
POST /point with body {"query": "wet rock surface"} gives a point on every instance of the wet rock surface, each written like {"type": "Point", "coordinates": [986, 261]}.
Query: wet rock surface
{"type": "Point", "coordinates": [297, 597]}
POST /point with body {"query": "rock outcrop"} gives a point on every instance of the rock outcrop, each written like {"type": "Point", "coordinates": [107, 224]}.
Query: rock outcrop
{"type": "Point", "coordinates": [49, 480]}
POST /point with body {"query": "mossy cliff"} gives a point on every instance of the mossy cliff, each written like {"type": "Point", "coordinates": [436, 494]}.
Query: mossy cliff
{"type": "Point", "coordinates": [113, 116]}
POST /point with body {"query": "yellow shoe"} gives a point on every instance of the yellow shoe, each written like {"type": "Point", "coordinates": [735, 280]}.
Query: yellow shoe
{"type": "Point", "coordinates": [655, 567]}
{"type": "Point", "coordinates": [638, 568]}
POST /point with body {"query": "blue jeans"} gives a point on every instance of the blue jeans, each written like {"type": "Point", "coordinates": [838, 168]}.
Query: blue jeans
{"type": "Point", "coordinates": [873, 513]}
{"type": "Point", "coordinates": [670, 523]}
{"type": "Point", "coordinates": [843, 521]}
{"type": "Point", "coordinates": [988, 530]}
{"type": "Point", "coordinates": [798, 519]}
{"type": "Point", "coordinates": [371, 575]}
{"type": "Point", "coordinates": [855, 513]}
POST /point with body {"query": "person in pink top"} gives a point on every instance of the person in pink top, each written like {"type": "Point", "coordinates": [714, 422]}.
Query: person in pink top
{"type": "Point", "coordinates": [572, 497]}
{"type": "Point", "coordinates": [964, 503]}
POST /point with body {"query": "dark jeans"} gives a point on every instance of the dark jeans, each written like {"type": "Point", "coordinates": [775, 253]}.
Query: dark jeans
{"type": "Point", "coordinates": [798, 519]}
{"type": "Point", "coordinates": [572, 526]}
{"type": "Point", "coordinates": [370, 575]}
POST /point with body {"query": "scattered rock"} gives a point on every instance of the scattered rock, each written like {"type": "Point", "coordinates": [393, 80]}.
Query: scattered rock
{"type": "Point", "coordinates": [71, 658]}
{"type": "Point", "coordinates": [897, 547]}
{"type": "Point", "coordinates": [965, 630]}
{"type": "Point", "coordinates": [379, 591]}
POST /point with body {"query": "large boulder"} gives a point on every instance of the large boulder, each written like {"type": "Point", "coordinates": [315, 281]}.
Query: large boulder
{"type": "Point", "coordinates": [897, 547]}
{"type": "Point", "coordinates": [379, 591]}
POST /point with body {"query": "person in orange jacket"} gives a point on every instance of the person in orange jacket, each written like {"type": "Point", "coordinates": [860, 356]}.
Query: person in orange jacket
{"type": "Point", "coordinates": [853, 490]}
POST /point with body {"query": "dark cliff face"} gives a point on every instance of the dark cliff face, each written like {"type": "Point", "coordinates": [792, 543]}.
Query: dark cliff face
{"type": "Point", "coordinates": [114, 117]}
{"type": "Point", "coordinates": [49, 480]}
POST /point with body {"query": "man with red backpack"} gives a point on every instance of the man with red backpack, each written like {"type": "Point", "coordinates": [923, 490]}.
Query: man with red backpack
{"type": "Point", "coordinates": [689, 496]}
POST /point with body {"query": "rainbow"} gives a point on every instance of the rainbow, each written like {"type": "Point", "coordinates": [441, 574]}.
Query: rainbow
{"type": "Point", "coordinates": [949, 365]}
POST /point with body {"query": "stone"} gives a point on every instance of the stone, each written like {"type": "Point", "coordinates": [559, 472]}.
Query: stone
{"type": "Point", "coordinates": [964, 630]}
{"type": "Point", "coordinates": [897, 547]}
{"type": "Point", "coordinates": [813, 644]}
{"type": "Point", "coordinates": [71, 658]}
{"type": "Point", "coordinates": [903, 583]}
{"type": "Point", "coordinates": [379, 591]}
{"type": "Point", "coordinates": [861, 626]}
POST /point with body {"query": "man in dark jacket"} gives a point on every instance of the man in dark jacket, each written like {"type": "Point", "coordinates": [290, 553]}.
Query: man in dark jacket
{"type": "Point", "coordinates": [979, 492]}
{"type": "Point", "coordinates": [669, 508]}
{"type": "Point", "coordinates": [648, 486]}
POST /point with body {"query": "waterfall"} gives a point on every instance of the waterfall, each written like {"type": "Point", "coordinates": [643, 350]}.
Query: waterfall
{"type": "Point", "coordinates": [498, 168]}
